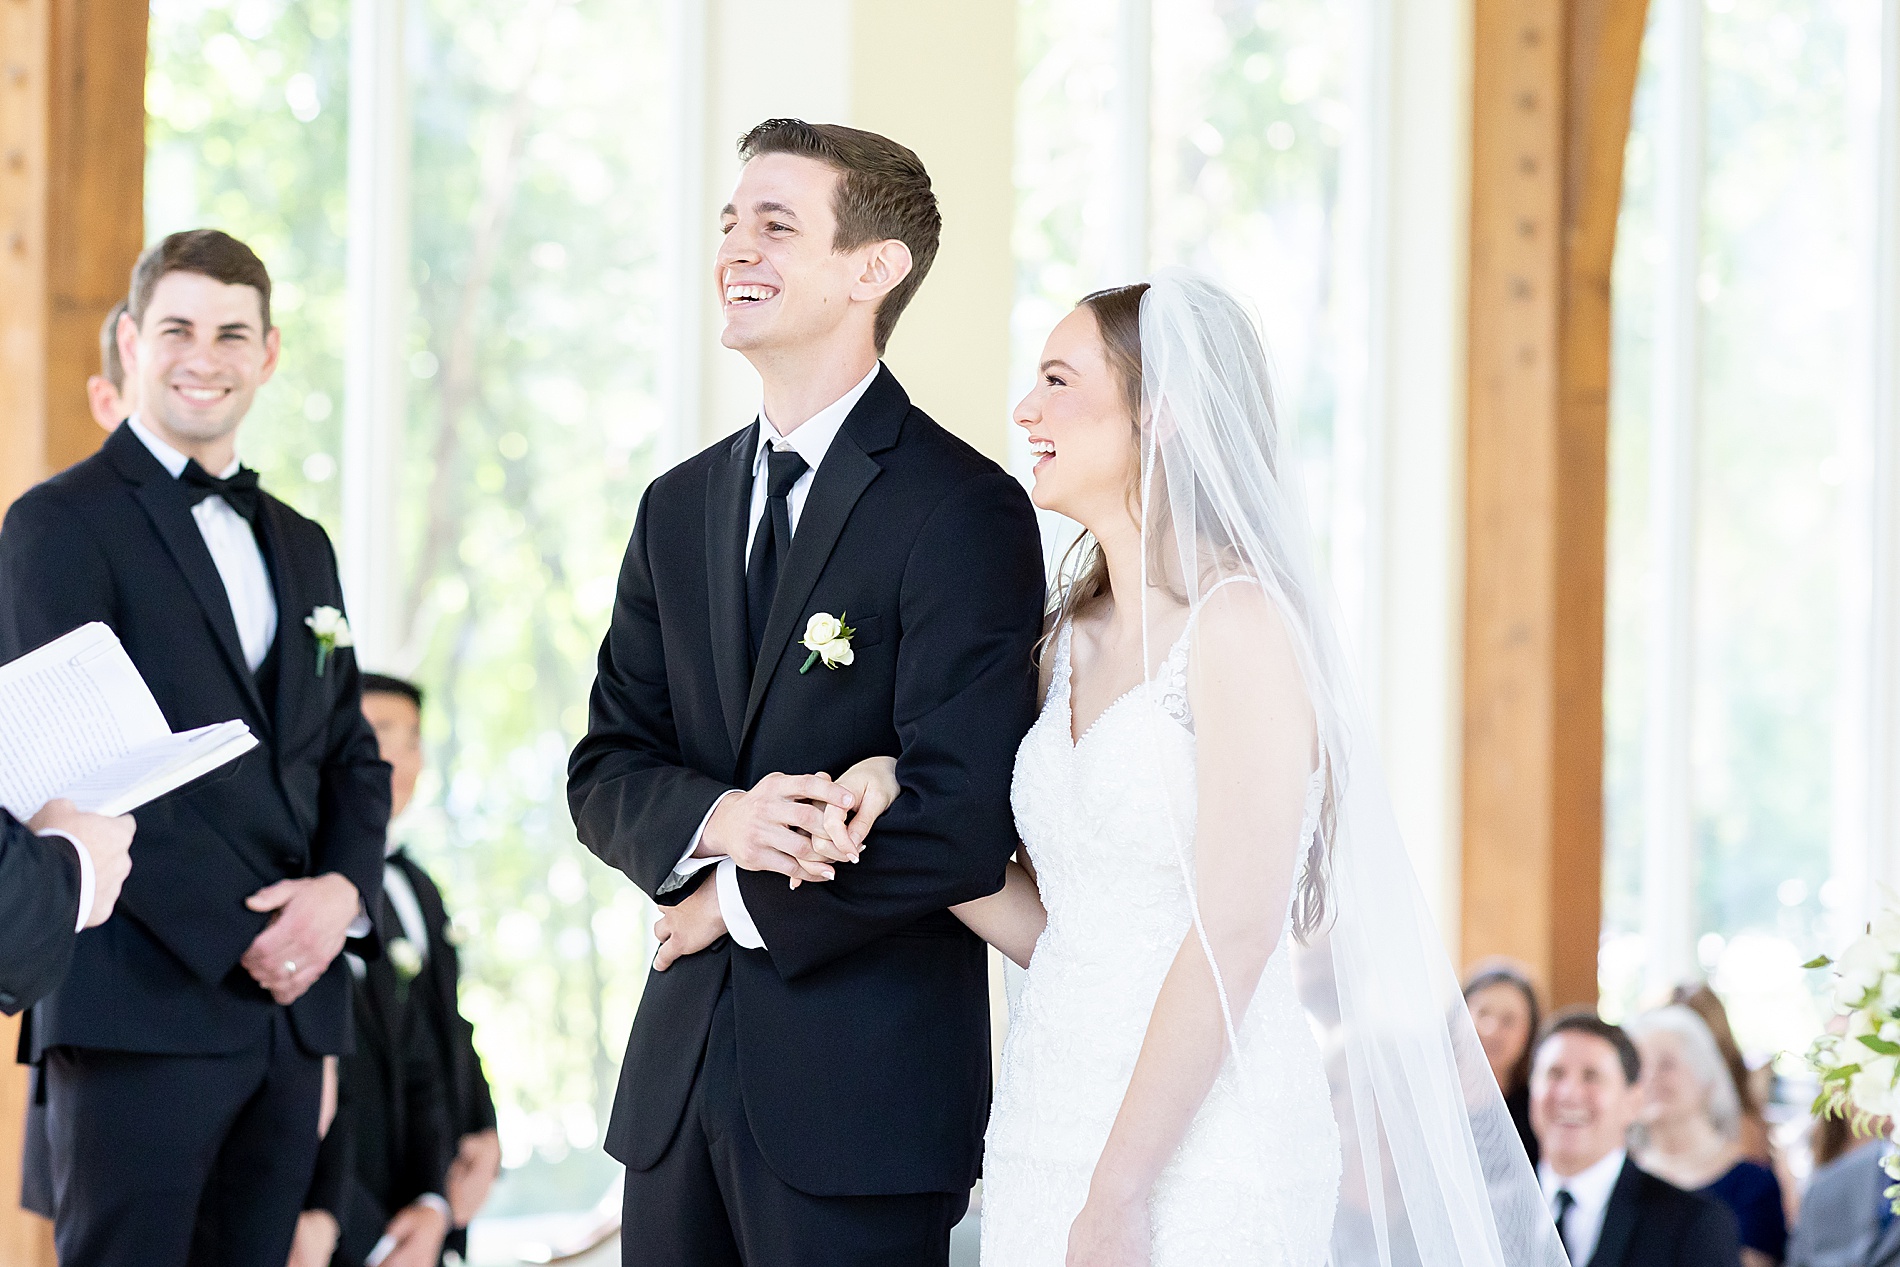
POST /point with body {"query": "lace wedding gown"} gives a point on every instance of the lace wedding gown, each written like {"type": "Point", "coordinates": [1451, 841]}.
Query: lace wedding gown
{"type": "Point", "coordinates": [1257, 1177]}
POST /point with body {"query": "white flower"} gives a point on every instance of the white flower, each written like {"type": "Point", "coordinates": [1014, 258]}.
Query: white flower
{"type": "Point", "coordinates": [332, 630]}
{"type": "Point", "coordinates": [828, 638]}
{"type": "Point", "coordinates": [823, 627]}
{"type": "Point", "coordinates": [330, 625]}
{"type": "Point", "coordinates": [1872, 1089]}
{"type": "Point", "coordinates": [405, 958]}
{"type": "Point", "coordinates": [1860, 968]}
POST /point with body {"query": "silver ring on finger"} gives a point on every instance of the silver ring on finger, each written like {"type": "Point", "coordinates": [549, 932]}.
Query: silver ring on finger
{"type": "Point", "coordinates": [290, 967]}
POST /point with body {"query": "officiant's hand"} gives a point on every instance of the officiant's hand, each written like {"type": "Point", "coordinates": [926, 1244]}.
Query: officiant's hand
{"type": "Point", "coordinates": [107, 842]}
{"type": "Point", "coordinates": [312, 917]}
{"type": "Point", "coordinates": [689, 927]}
{"type": "Point", "coordinates": [772, 827]}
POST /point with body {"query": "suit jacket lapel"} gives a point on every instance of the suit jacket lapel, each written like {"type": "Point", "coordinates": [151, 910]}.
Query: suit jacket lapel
{"type": "Point", "coordinates": [171, 518]}
{"type": "Point", "coordinates": [1619, 1219]}
{"type": "Point", "coordinates": [728, 507]}
{"type": "Point", "coordinates": [296, 654]}
{"type": "Point", "coordinates": [841, 479]}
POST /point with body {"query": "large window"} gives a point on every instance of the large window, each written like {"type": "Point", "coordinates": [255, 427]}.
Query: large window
{"type": "Point", "coordinates": [1242, 153]}
{"type": "Point", "coordinates": [527, 437]}
{"type": "Point", "coordinates": [1740, 335]}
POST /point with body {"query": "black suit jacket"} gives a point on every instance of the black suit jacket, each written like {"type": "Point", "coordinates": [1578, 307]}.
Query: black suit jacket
{"type": "Point", "coordinates": [113, 539]}
{"type": "Point", "coordinates": [458, 1066]}
{"type": "Point", "coordinates": [39, 906]}
{"type": "Point", "coordinates": [392, 1140]}
{"type": "Point", "coordinates": [930, 551]}
{"type": "Point", "coordinates": [1650, 1223]}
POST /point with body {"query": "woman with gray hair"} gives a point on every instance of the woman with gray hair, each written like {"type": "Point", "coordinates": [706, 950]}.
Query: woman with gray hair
{"type": "Point", "coordinates": [1689, 1129]}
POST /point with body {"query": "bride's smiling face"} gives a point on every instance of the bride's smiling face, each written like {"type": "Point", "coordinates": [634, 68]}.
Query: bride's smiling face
{"type": "Point", "coordinates": [1080, 427]}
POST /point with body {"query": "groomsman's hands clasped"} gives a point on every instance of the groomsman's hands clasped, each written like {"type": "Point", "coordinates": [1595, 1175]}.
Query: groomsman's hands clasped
{"type": "Point", "coordinates": [794, 824]}
{"type": "Point", "coordinates": [311, 920]}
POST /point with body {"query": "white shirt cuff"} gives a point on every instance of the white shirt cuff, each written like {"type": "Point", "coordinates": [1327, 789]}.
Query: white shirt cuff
{"type": "Point", "coordinates": [689, 866]}
{"type": "Point", "coordinates": [88, 877]}
{"type": "Point", "coordinates": [732, 909]}
{"type": "Point", "coordinates": [436, 1201]}
{"type": "Point", "coordinates": [360, 926]}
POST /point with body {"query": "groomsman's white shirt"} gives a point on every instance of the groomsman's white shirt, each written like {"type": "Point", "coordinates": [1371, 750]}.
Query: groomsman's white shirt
{"type": "Point", "coordinates": [1591, 1190]}
{"type": "Point", "coordinates": [233, 548]}
{"type": "Point", "coordinates": [811, 440]}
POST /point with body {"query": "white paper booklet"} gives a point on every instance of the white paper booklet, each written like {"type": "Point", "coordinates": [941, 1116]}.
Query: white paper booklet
{"type": "Point", "coordinates": [77, 721]}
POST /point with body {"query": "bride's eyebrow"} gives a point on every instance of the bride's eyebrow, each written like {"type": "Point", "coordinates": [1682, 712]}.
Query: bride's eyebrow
{"type": "Point", "coordinates": [1050, 365]}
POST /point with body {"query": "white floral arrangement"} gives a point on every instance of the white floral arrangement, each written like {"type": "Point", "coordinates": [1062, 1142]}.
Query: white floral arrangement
{"type": "Point", "coordinates": [1860, 1068]}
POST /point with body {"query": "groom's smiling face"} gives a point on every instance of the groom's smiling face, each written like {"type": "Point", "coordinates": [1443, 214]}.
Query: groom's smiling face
{"type": "Point", "coordinates": [782, 287]}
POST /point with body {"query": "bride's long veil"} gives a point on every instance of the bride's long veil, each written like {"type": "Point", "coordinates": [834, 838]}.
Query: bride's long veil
{"type": "Point", "coordinates": [1433, 1171]}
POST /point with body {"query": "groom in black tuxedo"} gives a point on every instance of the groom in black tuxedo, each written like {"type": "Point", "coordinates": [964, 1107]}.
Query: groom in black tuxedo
{"type": "Point", "coordinates": [808, 1077]}
{"type": "Point", "coordinates": [183, 1054]}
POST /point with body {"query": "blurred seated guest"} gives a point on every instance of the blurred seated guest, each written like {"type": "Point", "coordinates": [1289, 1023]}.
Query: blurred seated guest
{"type": "Point", "coordinates": [1752, 1129]}
{"type": "Point", "coordinates": [1504, 1009]}
{"type": "Point", "coordinates": [1847, 1220]}
{"type": "Point", "coordinates": [1688, 1127]}
{"type": "Point", "coordinates": [441, 1095]}
{"type": "Point", "coordinates": [59, 874]}
{"type": "Point", "coordinates": [109, 395]}
{"type": "Point", "coordinates": [1610, 1212]}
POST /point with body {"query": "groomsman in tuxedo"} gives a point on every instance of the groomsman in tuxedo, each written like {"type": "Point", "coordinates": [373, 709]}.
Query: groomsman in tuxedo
{"type": "Point", "coordinates": [58, 874]}
{"type": "Point", "coordinates": [183, 1055]}
{"type": "Point", "coordinates": [713, 730]}
{"type": "Point", "coordinates": [423, 1150]}
{"type": "Point", "coordinates": [109, 395]}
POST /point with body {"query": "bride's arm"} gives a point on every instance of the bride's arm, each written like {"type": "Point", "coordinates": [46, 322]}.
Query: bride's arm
{"type": "Point", "coordinates": [1010, 919]}
{"type": "Point", "coordinates": [1255, 741]}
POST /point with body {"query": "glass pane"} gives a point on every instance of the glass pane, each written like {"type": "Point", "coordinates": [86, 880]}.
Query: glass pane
{"type": "Point", "coordinates": [1782, 280]}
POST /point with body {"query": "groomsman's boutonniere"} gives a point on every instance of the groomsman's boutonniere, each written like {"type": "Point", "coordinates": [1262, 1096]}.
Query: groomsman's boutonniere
{"type": "Point", "coordinates": [829, 639]}
{"type": "Point", "coordinates": [332, 629]}
{"type": "Point", "coordinates": [405, 959]}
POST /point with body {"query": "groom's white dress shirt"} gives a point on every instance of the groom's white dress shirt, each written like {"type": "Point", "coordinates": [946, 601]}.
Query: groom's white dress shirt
{"type": "Point", "coordinates": [1590, 1190]}
{"type": "Point", "coordinates": [811, 440]}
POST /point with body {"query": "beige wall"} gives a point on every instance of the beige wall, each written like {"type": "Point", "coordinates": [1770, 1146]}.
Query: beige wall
{"type": "Point", "coordinates": [859, 63]}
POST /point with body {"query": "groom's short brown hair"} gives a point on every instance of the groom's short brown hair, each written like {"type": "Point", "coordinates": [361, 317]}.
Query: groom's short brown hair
{"type": "Point", "coordinates": [883, 193]}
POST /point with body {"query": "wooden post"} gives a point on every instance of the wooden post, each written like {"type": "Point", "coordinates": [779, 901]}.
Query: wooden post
{"type": "Point", "coordinates": [1552, 86]}
{"type": "Point", "coordinates": [72, 185]}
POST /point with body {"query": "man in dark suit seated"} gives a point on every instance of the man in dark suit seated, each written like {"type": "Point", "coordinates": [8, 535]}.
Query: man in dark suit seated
{"type": "Point", "coordinates": [1847, 1218]}
{"type": "Point", "coordinates": [1584, 1098]}
{"type": "Point", "coordinates": [405, 1109]}
{"type": "Point", "coordinates": [58, 874]}
{"type": "Point", "coordinates": [183, 1056]}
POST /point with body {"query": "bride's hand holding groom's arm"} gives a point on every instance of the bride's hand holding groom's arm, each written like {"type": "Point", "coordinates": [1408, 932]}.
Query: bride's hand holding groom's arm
{"type": "Point", "coordinates": [775, 825]}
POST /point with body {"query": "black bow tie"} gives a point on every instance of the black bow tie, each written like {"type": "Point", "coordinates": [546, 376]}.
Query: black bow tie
{"type": "Point", "coordinates": [239, 492]}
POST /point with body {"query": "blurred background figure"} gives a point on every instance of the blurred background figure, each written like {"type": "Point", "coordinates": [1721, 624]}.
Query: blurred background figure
{"type": "Point", "coordinates": [1688, 1129]}
{"type": "Point", "coordinates": [1750, 1087]}
{"type": "Point", "coordinates": [1585, 1096]}
{"type": "Point", "coordinates": [111, 398]}
{"type": "Point", "coordinates": [1503, 1005]}
{"type": "Point", "coordinates": [1848, 1220]}
{"type": "Point", "coordinates": [418, 1147]}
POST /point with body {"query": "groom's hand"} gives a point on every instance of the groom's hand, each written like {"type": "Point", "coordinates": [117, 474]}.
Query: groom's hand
{"type": "Point", "coordinates": [689, 927]}
{"type": "Point", "coordinates": [771, 827]}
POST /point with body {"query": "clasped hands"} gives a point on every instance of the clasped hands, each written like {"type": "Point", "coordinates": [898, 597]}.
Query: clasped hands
{"type": "Point", "coordinates": [798, 825]}
{"type": "Point", "coordinates": [310, 920]}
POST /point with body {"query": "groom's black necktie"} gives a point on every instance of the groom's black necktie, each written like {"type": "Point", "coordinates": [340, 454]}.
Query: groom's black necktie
{"type": "Point", "coordinates": [771, 542]}
{"type": "Point", "coordinates": [1564, 1204]}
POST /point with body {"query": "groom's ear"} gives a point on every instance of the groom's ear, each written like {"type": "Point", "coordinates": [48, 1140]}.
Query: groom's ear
{"type": "Point", "coordinates": [886, 264]}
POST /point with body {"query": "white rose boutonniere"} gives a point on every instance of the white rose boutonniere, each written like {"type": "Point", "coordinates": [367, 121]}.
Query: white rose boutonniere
{"type": "Point", "coordinates": [332, 630]}
{"type": "Point", "coordinates": [828, 638]}
{"type": "Point", "coordinates": [405, 958]}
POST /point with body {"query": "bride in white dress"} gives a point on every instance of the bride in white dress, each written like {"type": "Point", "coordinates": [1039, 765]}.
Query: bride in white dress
{"type": "Point", "coordinates": [1239, 1040]}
